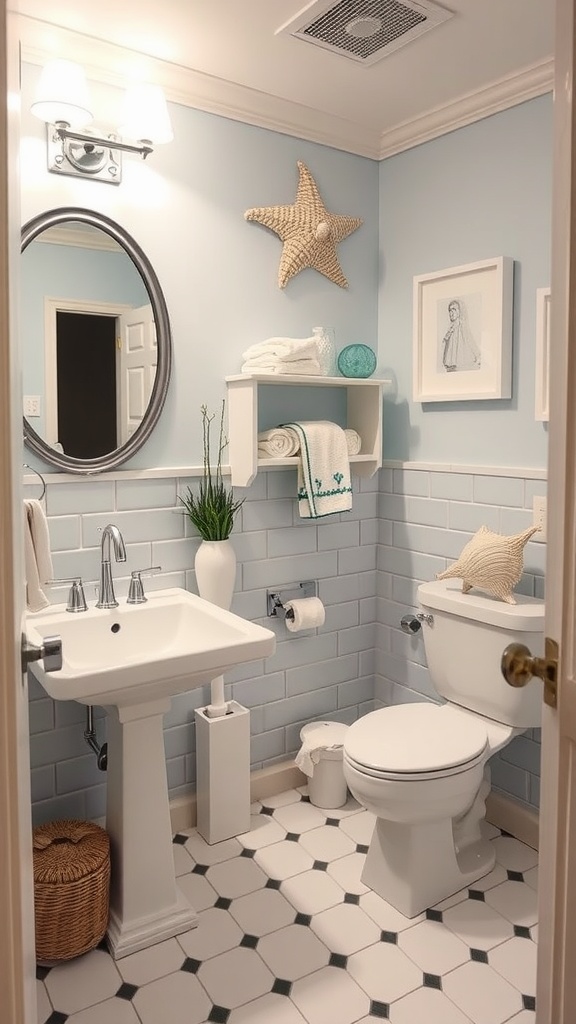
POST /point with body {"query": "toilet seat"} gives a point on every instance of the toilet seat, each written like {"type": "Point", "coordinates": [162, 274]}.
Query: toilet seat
{"type": "Point", "coordinates": [413, 742]}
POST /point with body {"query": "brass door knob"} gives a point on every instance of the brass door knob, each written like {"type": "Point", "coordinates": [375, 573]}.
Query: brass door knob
{"type": "Point", "coordinates": [518, 667]}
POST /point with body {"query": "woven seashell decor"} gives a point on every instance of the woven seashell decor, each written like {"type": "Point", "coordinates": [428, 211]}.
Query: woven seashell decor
{"type": "Point", "coordinates": [491, 562]}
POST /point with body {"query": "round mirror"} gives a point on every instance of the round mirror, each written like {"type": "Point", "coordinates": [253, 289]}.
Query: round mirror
{"type": "Point", "coordinates": [96, 343]}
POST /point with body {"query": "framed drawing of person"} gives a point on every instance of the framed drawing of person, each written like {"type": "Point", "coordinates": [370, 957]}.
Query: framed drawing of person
{"type": "Point", "coordinates": [462, 332]}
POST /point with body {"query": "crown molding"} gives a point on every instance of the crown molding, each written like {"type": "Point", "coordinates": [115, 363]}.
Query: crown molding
{"type": "Point", "coordinates": [501, 95]}
{"type": "Point", "coordinates": [110, 64]}
{"type": "Point", "coordinates": [107, 63]}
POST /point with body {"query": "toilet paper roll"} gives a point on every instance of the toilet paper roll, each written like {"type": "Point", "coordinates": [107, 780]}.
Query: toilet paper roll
{"type": "Point", "coordinates": [309, 613]}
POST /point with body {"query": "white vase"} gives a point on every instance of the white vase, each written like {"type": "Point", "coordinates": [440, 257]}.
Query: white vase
{"type": "Point", "coordinates": [215, 567]}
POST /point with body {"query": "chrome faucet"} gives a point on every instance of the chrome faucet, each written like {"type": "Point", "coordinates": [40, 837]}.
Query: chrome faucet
{"type": "Point", "coordinates": [106, 596]}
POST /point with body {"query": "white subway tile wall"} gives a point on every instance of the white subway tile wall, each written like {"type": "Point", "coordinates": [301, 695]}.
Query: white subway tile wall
{"type": "Point", "coordinates": [321, 673]}
{"type": "Point", "coordinates": [405, 526]}
{"type": "Point", "coordinates": [426, 518]}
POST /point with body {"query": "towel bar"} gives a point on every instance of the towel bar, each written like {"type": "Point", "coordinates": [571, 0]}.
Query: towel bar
{"type": "Point", "coordinates": [38, 474]}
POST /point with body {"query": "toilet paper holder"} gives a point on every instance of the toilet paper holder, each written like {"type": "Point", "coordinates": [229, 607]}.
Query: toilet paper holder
{"type": "Point", "coordinates": [275, 598]}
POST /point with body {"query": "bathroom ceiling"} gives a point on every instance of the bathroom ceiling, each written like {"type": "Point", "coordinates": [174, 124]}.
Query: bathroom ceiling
{"type": "Point", "coordinates": [489, 54]}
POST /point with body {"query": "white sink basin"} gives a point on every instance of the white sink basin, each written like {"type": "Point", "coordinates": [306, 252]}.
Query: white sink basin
{"type": "Point", "coordinates": [132, 660]}
{"type": "Point", "coordinates": [123, 656]}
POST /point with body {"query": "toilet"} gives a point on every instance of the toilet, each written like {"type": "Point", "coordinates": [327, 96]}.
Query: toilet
{"type": "Point", "coordinates": [421, 768]}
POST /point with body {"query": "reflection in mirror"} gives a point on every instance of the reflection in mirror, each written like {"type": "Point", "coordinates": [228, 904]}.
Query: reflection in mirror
{"type": "Point", "coordinates": [95, 340]}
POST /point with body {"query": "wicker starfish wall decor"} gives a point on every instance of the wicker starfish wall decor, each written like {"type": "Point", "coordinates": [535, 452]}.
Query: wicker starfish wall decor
{"type": "Point", "coordinates": [309, 232]}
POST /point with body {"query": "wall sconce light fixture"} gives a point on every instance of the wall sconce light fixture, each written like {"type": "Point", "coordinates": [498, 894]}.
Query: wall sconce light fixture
{"type": "Point", "coordinates": [62, 101]}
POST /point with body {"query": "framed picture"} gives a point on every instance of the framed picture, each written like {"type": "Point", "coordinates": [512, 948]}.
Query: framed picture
{"type": "Point", "coordinates": [463, 332]}
{"type": "Point", "coordinates": [542, 353]}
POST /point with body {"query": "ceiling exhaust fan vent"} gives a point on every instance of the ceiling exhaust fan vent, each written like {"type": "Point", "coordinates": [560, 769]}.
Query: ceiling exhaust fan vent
{"type": "Point", "coordinates": [364, 30]}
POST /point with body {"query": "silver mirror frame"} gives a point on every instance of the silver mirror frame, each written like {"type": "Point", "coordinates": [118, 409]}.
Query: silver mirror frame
{"type": "Point", "coordinates": [32, 440]}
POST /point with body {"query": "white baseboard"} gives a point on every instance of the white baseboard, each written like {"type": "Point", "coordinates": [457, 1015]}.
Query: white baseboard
{"type": "Point", "coordinates": [517, 819]}
{"type": "Point", "coordinates": [504, 812]}
{"type": "Point", "coordinates": [263, 782]}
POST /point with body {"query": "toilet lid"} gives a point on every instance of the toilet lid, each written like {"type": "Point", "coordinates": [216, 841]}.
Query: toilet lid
{"type": "Point", "coordinates": [412, 738]}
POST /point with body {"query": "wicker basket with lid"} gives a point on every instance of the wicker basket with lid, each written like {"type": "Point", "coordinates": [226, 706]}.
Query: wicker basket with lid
{"type": "Point", "coordinates": [71, 888]}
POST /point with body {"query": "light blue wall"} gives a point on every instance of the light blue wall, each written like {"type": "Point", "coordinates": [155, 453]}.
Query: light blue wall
{"type": "Point", "coordinates": [185, 207]}
{"type": "Point", "coordinates": [477, 193]}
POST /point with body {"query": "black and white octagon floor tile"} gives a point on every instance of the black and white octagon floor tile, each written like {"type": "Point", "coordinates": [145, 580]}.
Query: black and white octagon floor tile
{"type": "Point", "coordinates": [289, 933]}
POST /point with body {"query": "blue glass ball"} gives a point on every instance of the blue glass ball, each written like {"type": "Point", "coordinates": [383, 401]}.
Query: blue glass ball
{"type": "Point", "coordinates": [357, 361]}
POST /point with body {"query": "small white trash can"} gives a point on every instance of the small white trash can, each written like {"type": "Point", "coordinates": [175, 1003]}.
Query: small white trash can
{"type": "Point", "coordinates": [320, 758]}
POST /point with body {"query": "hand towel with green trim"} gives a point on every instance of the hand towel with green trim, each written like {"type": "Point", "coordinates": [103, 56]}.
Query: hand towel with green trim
{"type": "Point", "coordinates": [324, 486]}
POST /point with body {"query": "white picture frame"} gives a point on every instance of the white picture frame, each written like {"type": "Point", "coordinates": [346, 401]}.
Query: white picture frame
{"type": "Point", "coordinates": [542, 400]}
{"type": "Point", "coordinates": [462, 332]}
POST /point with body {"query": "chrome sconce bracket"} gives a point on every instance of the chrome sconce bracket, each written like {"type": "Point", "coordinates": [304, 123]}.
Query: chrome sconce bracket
{"type": "Point", "coordinates": [83, 154]}
{"type": "Point", "coordinates": [87, 154]}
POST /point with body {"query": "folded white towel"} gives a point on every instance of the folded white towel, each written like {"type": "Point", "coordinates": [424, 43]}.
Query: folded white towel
{"type": "Point", "coordinates": [285, 349]}
{"type": "Point", "coordinates": [278, 443]}
{"type": "Point", "coordinates": [37, 557]}
{"type": "Point", "coordinates": [353, 441]}
{"type": "Point", "coordinates": [324, 485]}
{"type": "Point", "coordinates": [283, 442]}
{"type": "Point", "coordinates": [304, 367]}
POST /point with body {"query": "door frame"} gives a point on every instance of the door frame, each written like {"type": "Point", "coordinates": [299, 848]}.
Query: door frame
{"type": "Point", "coordinates": [17, 987]}
{"type": "Point", "coordinates": [556, 985]}
{"type": "Point", "coordinates": [52, 307]}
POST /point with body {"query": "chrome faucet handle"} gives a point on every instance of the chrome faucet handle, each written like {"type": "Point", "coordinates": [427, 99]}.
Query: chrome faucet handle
{"type": "Point", "coordinates": [136, 593]}
{"type": "Point", "coordinates": [76, 596]}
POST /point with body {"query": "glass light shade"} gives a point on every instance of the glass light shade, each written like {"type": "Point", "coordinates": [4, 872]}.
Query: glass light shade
{"type": "Point", "coordinates": [145, 114]}
{"type": "Point", "coordinates": [62, 94]}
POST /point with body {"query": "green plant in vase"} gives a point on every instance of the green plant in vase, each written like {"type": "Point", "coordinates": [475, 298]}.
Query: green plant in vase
{"type": "Point", "coordinates": [213, 509]}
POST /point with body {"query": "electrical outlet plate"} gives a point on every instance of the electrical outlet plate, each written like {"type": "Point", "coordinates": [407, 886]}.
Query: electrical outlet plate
{"type": "Point", "coordinates": [539, 507]}
{"type": "Point", "coordinates": [31, 405]}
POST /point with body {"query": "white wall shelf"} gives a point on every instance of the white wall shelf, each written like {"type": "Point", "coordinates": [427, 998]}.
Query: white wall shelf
{"type": "Point", "coordinates": [363, 414]}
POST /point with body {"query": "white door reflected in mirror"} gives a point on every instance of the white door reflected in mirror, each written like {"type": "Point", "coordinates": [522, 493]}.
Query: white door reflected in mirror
{"type": "Point", "coordinates": [86, 320]}
{"type": "Point", "coordinates": [96, 341]}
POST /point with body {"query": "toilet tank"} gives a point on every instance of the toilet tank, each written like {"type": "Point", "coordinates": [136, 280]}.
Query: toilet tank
{"type": "Point", "coordinates": [464, 645]}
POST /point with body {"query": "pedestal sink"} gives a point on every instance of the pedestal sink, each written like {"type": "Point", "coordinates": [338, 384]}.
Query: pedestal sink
{"type": "Point", "coordinates": [131, 660]}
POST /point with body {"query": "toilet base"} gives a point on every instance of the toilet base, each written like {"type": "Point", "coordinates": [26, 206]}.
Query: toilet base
{"type": "Point", "coordinates": [413, 867]}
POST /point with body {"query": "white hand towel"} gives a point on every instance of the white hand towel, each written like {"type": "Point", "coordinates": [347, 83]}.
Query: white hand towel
{"type": "Point", "coordinates": [283, 442]}
{"type": "Point", "coordinates": [324, 485]}
{"type": "Point", "coordinates": [285, 349]}
{"type": "Point", "coordinates": [37, 557]}
{"type": "Point", "coordinates": [305, 367]}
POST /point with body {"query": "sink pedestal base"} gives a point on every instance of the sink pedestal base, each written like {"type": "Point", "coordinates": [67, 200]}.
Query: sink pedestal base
{"type": "Point", "coordinates": [146, 905]}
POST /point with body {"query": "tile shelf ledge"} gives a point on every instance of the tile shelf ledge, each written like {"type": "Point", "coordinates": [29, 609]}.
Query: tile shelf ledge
{"type": "Point", "coordinates": [363, 414]}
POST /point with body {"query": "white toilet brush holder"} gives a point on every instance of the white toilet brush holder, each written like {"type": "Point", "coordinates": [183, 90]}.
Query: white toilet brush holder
{"type": "Point", "coordinates": [223, 772]}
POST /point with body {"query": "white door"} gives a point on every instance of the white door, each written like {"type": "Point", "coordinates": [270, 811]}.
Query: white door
{"type": "Point", "coordinates": [556, 990]}
{"type": "Point", "coordinates": [137, 368]}
{"type": "Point", "coordinates": [53, 306]}
{"type": "Point", "coordinates": [17, 991]}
